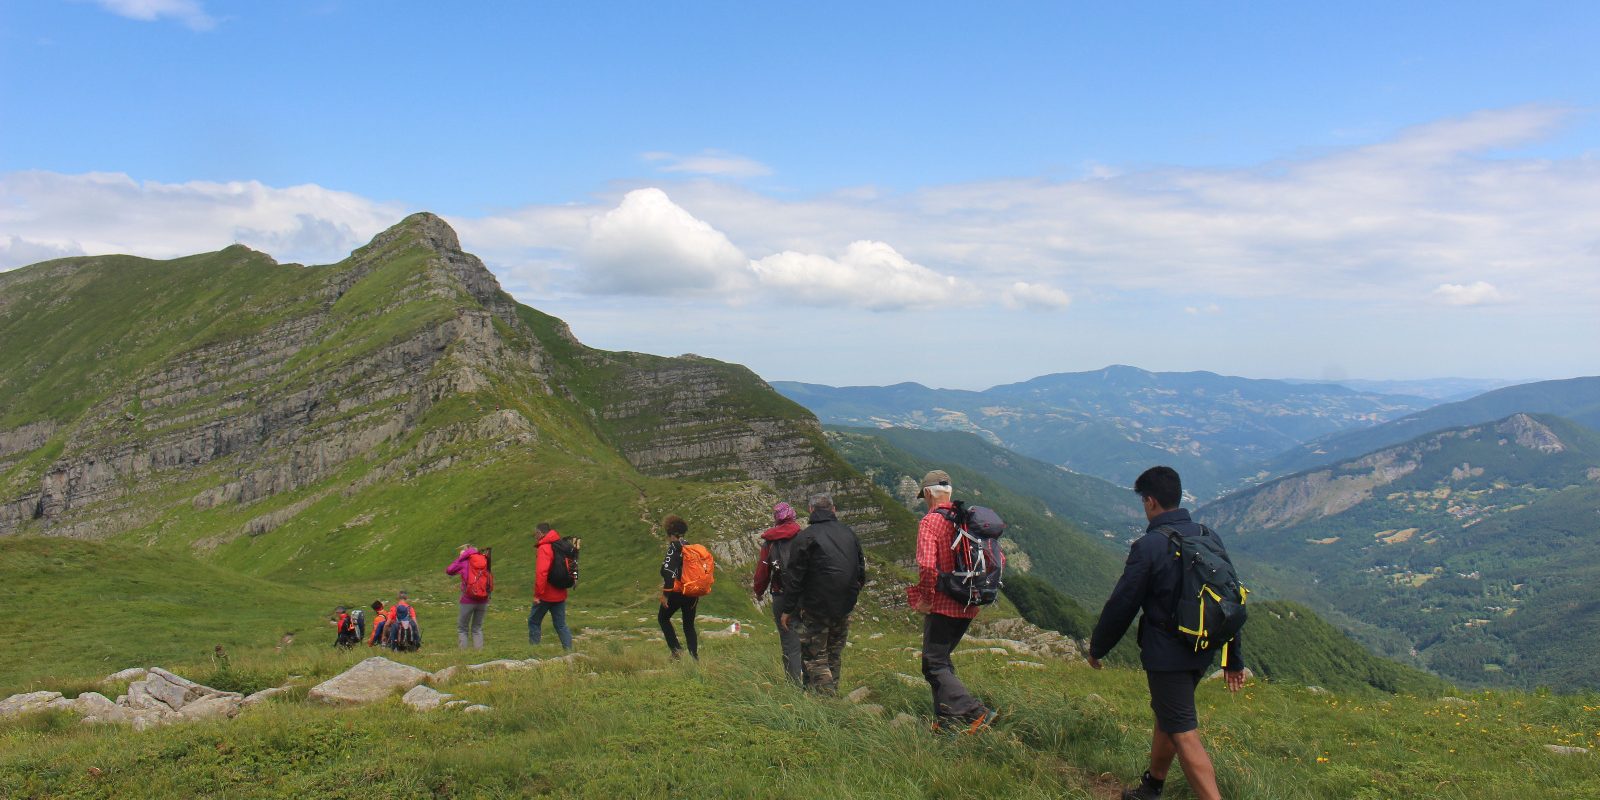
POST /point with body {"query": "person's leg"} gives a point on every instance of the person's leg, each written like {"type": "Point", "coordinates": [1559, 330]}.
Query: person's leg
{"type": "Point", "coordinates": [463, 620]}
{"type": "Point", "coordinates": [664, 616]}
{"type": "Point", "coordinates": [478, 615]}
{"type": "Point", "coordinates": [789, 641]}
{"type": "Point", "coordinates": [813, 633]}
{"type": "Point", "coordinates": [1161, 753]}
{"type": "Point", "coordinates": [838, 633]}
{"type": "Point", "coordinates": [1196, 763]}
{"type": "Point", "coordinates": [536, 622]}
{"type": "Point", "coordinates": [940, 635]}
{"type": "Point", "coordinates": [558, 619]}
{"type": "Point", "coordinates": [691, 605]}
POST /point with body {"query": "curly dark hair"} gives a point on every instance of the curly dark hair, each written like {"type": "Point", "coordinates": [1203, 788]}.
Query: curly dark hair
{"type": "Point", "coordinates": [675, 525]}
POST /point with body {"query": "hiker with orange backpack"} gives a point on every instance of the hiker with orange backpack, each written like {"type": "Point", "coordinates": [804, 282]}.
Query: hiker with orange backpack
{"type": "Point", "coordinates": [555, 570]}
{"type": "Point", "coordinates": [477, 582]}
{"type": "Point", "coordinates": [686, 576]}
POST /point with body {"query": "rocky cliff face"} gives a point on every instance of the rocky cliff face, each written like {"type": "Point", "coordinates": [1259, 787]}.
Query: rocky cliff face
{"type": "Point", "coordinates": [404, 350]}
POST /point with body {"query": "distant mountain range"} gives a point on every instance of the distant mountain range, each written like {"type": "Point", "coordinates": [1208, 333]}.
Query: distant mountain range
{"type": "Point", "coordinates": [1444, 390]}
{"type": "Point", "coordinates": [1218, 431]}
{"type": "Point", "coordinates": [1478, 543]}
{"type": "Point", "coordinates": [1577, 399]}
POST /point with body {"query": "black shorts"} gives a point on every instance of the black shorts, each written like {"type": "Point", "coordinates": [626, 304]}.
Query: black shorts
{"type": "Point", "coordinates": [1172, 698]}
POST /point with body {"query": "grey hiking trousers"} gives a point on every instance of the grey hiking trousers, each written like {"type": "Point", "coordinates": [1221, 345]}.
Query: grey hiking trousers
{"type": "Point", "coordinates": [470, 620]}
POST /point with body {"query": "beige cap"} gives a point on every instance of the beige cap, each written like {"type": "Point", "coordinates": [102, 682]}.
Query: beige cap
{"type": "Point", "coordinates": [937, 477]}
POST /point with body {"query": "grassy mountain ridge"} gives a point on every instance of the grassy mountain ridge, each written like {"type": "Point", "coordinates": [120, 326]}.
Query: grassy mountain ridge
{"type": "Point", "coordinates": [1472, 542]}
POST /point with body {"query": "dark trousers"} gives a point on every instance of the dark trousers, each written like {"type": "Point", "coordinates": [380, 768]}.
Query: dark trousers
{"type": "Point", "coordinates": [789, 640]}
{"type": "Point", "coordinates": [940, 635]}
{"type": "Point", "coordinates": [822, 647]}
{"type": "Point", "coordinates": [674, 602]}
{"type": "Point", "coordinates": [558, 620]}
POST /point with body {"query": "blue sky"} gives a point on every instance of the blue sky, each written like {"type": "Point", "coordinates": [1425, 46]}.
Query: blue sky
{"type": "Point", "coordinates": [1371, 190]}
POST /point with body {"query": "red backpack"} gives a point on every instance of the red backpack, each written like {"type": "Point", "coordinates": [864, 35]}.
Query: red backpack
{"type": "Point", "coordinates": [480, 581]}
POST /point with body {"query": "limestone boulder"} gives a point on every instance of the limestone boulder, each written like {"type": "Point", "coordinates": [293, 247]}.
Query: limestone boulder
{"type": "Point", "coordinates": [369, 681]}
{"type": "Point", "coordinates": [264, 695]}
{"type": "Point", "coordinates": [27, 703]}
{"type": "Point", "coordinates": [129, 674]}
{"type": "Point", "coordinates": [444, 676]}
{"type": "Point", "coordinates": [217, 706]}
{"type": "Point", "coordinates": [423, 698]}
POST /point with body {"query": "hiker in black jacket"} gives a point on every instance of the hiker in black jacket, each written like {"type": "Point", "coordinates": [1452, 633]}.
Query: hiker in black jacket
{"type": "Point", "coordinates": [825, 573]}
{"type": "Point", "coordinates": [672, 599]}
{"type": "Point", "coordinates": [1151, 582]}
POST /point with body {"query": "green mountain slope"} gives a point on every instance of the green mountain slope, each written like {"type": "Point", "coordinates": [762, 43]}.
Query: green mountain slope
{"type": "Point", "coordinates": [1470, 542]}
{"type": "Point", "coordinates": [339, 430]}
{"type": "Point", "coordinates": [1051, 545]}
{"type": "Point", "coordinates": [1114, 423]}
{"type": "Point", "coordinates": [1576, 399]}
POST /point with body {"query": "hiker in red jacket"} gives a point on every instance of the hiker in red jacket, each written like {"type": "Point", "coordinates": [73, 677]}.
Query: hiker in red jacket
{"type": "Point", "coordinates": [776, 543]}
{"type": "Point", "coordinates": [476, 583]}
{"type": "Point", "coordinates": [547, 599]}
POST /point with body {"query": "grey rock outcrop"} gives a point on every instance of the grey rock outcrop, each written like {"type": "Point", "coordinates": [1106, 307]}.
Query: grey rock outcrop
{"type": "Point", "coordinates": [369, 681]}
{"type": "Point", "coordinates": [423, 698]}
{"type": "Point", "coordinates": [27, 703]}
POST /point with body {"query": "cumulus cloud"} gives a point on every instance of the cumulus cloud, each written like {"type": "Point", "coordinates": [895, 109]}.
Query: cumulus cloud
{"type": "Point", "coordinates": [710, 162]}
{"type": "Point", "coordinates": [867, 274]}
{"type": "Point", "coordinates": [16, 251]}
{"type": "Point", "coordinates": [188, 12]}
{"type": "Point", "coordinates": [1472, 294]}
{"type": "Point", "coordinates": [649, 245]}
{"type": "Point", "coordinates": [1036, 296]}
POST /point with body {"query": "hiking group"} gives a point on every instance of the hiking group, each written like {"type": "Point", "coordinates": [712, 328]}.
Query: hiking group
{"type": "Point", "coordinates": [1178, 576]}
{"type": "Point", "coordinates": [1178, 580]}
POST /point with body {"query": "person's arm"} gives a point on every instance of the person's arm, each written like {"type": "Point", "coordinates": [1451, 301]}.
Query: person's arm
{"type": "Point", "coordinates": [543, 555]}
{"type": "Point", "coordinates": [763, 575]}
{"type": "Point", "coordinates": [928, 530]}
{"type": "Point", "coordinates": [794, 572]}
{"type": "Point", "coordinates": [457, 565]}
{"type": "Point", "coordinates": [1123, 604]}
{"type": "Point", "coordinates": [672, 566]}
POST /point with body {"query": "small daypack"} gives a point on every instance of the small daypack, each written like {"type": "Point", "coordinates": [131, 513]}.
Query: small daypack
{"type": "Point", "coordinates": [699, 571]}
{"type": "Point", "coordinates": [563, 564]}
{"type": "Point", "coordinates": [1210, 609]}
{"type": "Point", "coordinates": [979, 562]}
{"type": "Point", "coordinates": [774, 568]}
{"type": "Point", "coordinates": [403, 634]}
{"type": "Point", "coordinates": [480, 581]}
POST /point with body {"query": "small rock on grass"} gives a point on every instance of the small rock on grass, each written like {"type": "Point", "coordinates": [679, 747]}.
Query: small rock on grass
{"type": "Point", "coordinates": [910, 680]}
{"type": "Point", "coordinates": [871, 708]}
{"type": "Point", "coordinates": [477, 709]}
{"type": "Point", "coordinates": [902, 719]}
{"type": "Point", "coordinates": [1030, 664]}
{"type": "Point", "coordinates": [858, 694]}
{"type": "Point", "coordinates": [423, 698]}
{"type": "Point", "coordinates": [1564, 750]}
{"type": "Point", "coordinates": [129, 674]}
{"type": "Point", "coordinates": [27, 703]}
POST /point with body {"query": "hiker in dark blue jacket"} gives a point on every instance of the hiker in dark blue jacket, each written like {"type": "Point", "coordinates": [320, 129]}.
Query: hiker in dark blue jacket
{"type": "Point", "coordinates": [1151, 583]}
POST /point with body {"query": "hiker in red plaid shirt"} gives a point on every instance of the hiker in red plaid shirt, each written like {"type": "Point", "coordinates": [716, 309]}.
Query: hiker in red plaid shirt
{"type": "Point", "coordinates": [945, 619]}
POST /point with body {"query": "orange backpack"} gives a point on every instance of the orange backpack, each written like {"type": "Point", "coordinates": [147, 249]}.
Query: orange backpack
{"type": "Point", "coordinates": [698, 571]}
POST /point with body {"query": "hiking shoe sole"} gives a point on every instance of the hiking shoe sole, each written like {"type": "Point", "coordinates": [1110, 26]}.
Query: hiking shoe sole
{"type": "Point", "coordinates": [983, 722]}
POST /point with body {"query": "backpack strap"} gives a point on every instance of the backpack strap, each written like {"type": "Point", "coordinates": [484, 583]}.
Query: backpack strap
{"type": "Point", "coordinates": [1175, 538]}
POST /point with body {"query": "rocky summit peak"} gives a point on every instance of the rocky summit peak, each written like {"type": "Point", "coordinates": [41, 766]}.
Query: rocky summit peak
{"type": "Point", "coordinates": [424, 227]}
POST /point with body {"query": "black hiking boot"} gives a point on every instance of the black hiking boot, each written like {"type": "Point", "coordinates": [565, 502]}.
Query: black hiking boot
{"type": "Point", "coordinates": [1148, 789]}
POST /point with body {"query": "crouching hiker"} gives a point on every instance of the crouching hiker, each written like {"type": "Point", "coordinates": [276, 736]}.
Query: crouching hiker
{"type": "Point", "coordinates": [554, 572]}
{"type": "Point", "coordinates": [821, 582]}
{"type": "Point", "coordinates": [945, 619]}
{"type": "Point", "coordinates": [1174, 660]}
{"type": "Point", "coordinates": [380, 619]}
{"type": "Point", "coordinates": [344, 624]}
{"type": "Point", "coordinates": [776, 544]}
{"type": "Point", "coordinates": [477, 581]}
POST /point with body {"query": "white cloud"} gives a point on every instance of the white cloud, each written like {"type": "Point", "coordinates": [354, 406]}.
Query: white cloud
{"type": "Point", "coordinates": [188, 12]}
{"type": "Point", "coordinates": [867, 274]}
{"type": "Point", "coordinates": [99, 213]}
{"type": "Point", "coordinates": [649, 245]}
{"type": "Point", "coordinates": [710, 162]}
{"type": "Point", "coordinates": [1473, 294]}
{"type": "Point", "coordinates": [1210, 308]}
{"type": "Point", "coordinates": [1036, 296]}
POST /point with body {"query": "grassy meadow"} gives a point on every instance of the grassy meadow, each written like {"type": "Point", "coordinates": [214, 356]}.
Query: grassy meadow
{"type": "Point", "coordinates": [628, 722]}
